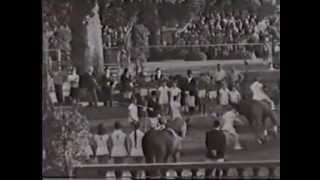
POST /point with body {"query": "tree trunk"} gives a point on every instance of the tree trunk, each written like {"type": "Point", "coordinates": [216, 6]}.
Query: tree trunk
{"type": "Point", "coordinates": [86, 44]}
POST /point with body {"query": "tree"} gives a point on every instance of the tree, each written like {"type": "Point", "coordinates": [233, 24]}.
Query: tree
{"type": "Point", "coordinates": [86, 44]}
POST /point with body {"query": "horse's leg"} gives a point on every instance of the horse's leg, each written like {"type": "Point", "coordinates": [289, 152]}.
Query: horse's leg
{"type": "Point", "coordinates": [273, 119]}
{"type": "Point", "coordinates": [149, 158]}
{"type": "Point", "coordinates": [160, 158]}
{"type": "Point", "coordinates": [255, 126]}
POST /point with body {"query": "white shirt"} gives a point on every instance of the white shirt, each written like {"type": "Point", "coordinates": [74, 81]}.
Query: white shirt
{"type": "Point", "coordinates": [175, 91]}
{"type": "Point", "coordinates": [257, 90]}
{"type": "Point", "coordinates": [224, 96]}
{"type": "Point", "coordinates": [220, 75]}
{"type": "Point", "coordinates": [101, 141]}
{"type": "Point", "coordinates": [73, 79]}
{"type": "Point", "coordinates": [118, 144]}
{"type": "Point", "coordinates": [175, 109]}
{"type": "Point", "coordinates": [234, 96]}
{"type": "Point", "coordinates": [136, 150]}
{"type": "Point", "coordinates": [133, 112]}
{"type": "Point", "coordinates": [163, 97]}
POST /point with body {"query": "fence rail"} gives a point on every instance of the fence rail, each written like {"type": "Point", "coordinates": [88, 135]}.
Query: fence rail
{"type": "Point", "coordinates": [100, 170]}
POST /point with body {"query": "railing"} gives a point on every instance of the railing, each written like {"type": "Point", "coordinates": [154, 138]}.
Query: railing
{"type": "Point", "coordinates": [242, 169]}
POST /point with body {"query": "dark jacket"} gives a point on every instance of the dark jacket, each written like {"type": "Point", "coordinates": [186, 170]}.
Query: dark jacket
{"type": "Point", "coordinates": [155, 108]}
{"type": "Point", "coordinates": [192, 86]}
{"type": "Point", "coordinates": [215, 140]}
{"type": "Point", "coordinates": [88, 81]}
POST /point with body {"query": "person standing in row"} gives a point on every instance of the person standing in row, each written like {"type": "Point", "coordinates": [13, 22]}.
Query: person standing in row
{"type": "Point", "coordinates": [223, 95]}
{"type": "Point", "coordinates": [153, 110]}
{"type": "Point", "coordinates": [106, 88]}
{"type": "Point", "coordinates": [164, 98]}
{"type": "Point", "coordinates": [175, 91]}
{"type": "Point", "coordinates": [118, 146]}
{"type": "Point", "coordinates": [202, 94]}
{"type": "Point", "coordinates": [175, 108]}
{"type": "Point", "coordinates": [74, 79]}
{"type": "Point", "coordinates": [126, 84]}
{"type": "Point", "coordinates": [59, 78]}
{"type": "Point", "coordinates": [135, 143]}
{"type": "Point", "coordinates": [191, 96]}
{"type": "Point", "coordinates": [90, 83]}
{"type": "Point", "coordinates": [135, 146]}
{"type": "Point", "coordinates": [234, 96]}
{"type": "Point", "coordinates": [235, 78]}
{"type": "Point", "coordinates": [220, 76]}
{"type": "Point", "coordinates": [101, 139]}
{"type": "Point", "coordinates": [133, 112]}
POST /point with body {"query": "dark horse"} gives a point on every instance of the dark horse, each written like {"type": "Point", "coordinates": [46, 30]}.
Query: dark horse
{"type": "Point", "coordinates": [159, 145]}
{"type": "Point", "coordinates": [257, 113]}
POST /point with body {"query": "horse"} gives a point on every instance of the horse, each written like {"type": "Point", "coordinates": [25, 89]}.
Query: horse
{"type": "Point", "coordinates": [159, 145]}
{"type": "Point", "coordinates": [257, 113]}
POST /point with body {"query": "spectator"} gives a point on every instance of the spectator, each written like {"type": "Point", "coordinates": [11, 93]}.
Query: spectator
{"type": "Point", "coordinates": [202, 94]}
{"type": "Point", "coordinates": [175, 108]}
{"type": "Point", "coordinates": [175, 91]}
{"type": "Point", "coordinates": [192, 92]}
{"type": "Point", "coordinates": [58, 79]}
{"type": "Point", "coordinates": [164, 97]}
{"type": "Point", "coordinates": [74, 83]}
{"type": "Point", "coordinates": [126, 84]}
{"type": "Point", "coordinates": [234, 96]}
{"type": "Point", "coordinates": [220, 77]}
{"type": "Point", "coordinates": [153, 110]}
{"type": "Point", "coordinates": [216, 146]}
{"type": "Point", "coordinates": [224, 96]}
{"type": "Point", "coordinates": [101, 139]}
{"type": "Point", "coordinates": [106, 88]}
{"type": "Point", "coordinates": [92, 87]}
{"type": "Point", "coordinates": [235, 78]}
{"type": "Point", "coordinates": [158, 75]}
{"type": "Point", "coordinates": [133, 112]}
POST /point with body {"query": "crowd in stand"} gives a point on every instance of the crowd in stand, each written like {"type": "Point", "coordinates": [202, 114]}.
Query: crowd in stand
{"type": "Point", "coordinates": [229, 27]}
{"type": "Point", "coordinates": [209, 28]}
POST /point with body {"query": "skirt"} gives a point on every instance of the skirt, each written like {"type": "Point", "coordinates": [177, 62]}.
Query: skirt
{"type": "Point", "coordinates": [136, 152]}
{"type": "Point", "coordinates": [102, 151]}
{"type": "Point", "coordinates": [118, 151]}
